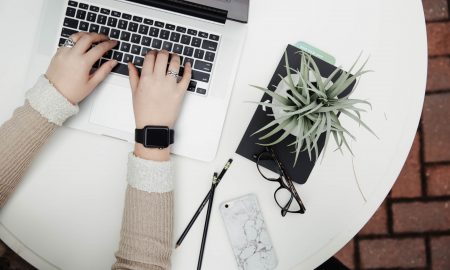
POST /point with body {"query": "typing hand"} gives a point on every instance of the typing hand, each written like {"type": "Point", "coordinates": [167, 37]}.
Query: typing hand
{"type": "Point", "coordinates": [70, 68]}
{"type": "Point", "coordinates": [157, 96]}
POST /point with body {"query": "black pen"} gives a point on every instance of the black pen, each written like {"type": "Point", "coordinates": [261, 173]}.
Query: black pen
{"type": "Point", "coordinates": [202, 205]}
{"type": "Point", "coordinates": [208, 215]}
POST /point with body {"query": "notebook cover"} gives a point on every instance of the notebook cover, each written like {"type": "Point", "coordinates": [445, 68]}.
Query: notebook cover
{"type": "Point", "coordinates": [248, 145]}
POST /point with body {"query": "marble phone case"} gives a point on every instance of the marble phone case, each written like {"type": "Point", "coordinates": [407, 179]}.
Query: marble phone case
{"type": "Point", "coordinates": [248, 234]}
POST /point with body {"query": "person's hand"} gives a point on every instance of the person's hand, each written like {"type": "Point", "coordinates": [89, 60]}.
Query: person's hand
{"type": "Point", "coordinates": [157, 96]}
{"type": "Point", "coordinates": [70, 68]}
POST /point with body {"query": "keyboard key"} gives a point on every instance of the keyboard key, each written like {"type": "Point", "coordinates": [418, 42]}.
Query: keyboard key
{"type": "Point", "coordinates": [135, 38]}
{"type": "Point", "coordinates": [181, 71]}
{"type": "Point", "coordinates": [83, 6]}
{"type": "Point", "coordinates": [94, 8]}
{"type": "Point", "coordinates": [112, 22]}
{"type": "Point", "coordinates": [199, 53]}
{"type": "Point", "coordinates": [203, 34]}
{"type": "Point", "coordinates": [121, 69]}
{"type": "Point", "coordinates": [192, 85]}
{"type": "Point", "coordinates": [123, 24]}
{"type": "Point", "coordinates": [196, 42]}
{"type": "Point", "coordinates": [128, 58]}
{"type": "Point", "coordinates": [104, 30]}
{"type": "Point", "coordinates": [84, 26]}
{"type": "Point", "coordinates": [185, 39]}
{"type": "Point", "coordinates": [136, 49]}
{"type": "Point", "coordinates": [190, 60]}
{"type": "Point", "coordinates": [170, 26]}
{"type": "Point", "coordinates": [108, 55]}
{"type": "Point", "coordinates": [159, 24]}
{"type": "Point", "coordinates": [145, 50]}
{"type": "Point", "coordinates": [209, 56]}
{"type": "Point", "coordinates": [118, 56]}
{"type": "Point", "coordinates": [94, 28]}
{"type": "Point", "coordinates": [125, 36]}
{"type": "Point", "coordinates": [192, 32]}
{"type": "Point", "coordinates": [126, 16]}
{"type": "Point", "coordinates": [209, 45]}
{"type": "Point", "coordinates": [72, 23]}
{"type": "Point", "coordinates": [181, 29]}
{"type": "Point", "coordinates": [177, 48]}
{"type": "Point", "coordinates": [148, 21]}
{"type": "Point", "coordinates": [115, 33]}
{"type": "Point", "coordinates": [146, 41]}
{"type": "Point", "coordinates": [175, 37]}
{"type": "Point", "coordinates": [154, 32]}
{"type": "Point", "coordinates": [133, 27]}
{"type": "Point", "coordinates": [115, 14]}
{"type": "Point", "coordinates": [73, 3]}
{"type": "Point", "coordinates": [117, 47]}
{"type": "Point", "coordinates": [91, 17]}
{"type": "Point", "coordinates": [203, 66]}
{"type": "Point", "coordinates": [164, 34]}
{"type": "Point", "coordinates": [200, 76]}
{"type": "Point", "coordinates": [201, 91]}
{"type": "Point", "coordinates": [70, 12]}
{"type": "Point", "coordinates": [125, 47]}
{"type": "Point", "coordinates": [105, 11]}
{"type": "Point", "coordinates": [188, 51]}
{"type": "Point", "coordinates": [101, 19]}
{"type": "Point", "coordinates": [167, 46]}
{"type": "Point", "coordinates": [61, 41]}
{"type": "Point", "coordinates": [156, 43]}
{"type": "Point", "coordinates": [213, 37]}
{"type": "Point", "coordinates": [138, 61]}
{"type": "Point", "coordinates": [137, 19]}
{"type": "Point", "coordinates": [81, 14]}
{"type": "Point", "coordinates": [66, 32]}
{"type": "Point", "coordinates": [143, 29]}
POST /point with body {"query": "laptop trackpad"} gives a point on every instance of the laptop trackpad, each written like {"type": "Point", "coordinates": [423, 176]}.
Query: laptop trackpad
{"type": "Point", "coordinates": [113, 108]}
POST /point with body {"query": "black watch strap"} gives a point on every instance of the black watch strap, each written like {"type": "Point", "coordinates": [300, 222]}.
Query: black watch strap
{"type": "Point", "coordinates": [140, 136]}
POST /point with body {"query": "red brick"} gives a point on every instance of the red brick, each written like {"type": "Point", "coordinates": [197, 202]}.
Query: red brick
{"type": "Point", "coordinates": [438, 180]}
{"type": "Point", "coordinates": [436, 127]}
{"type": "Point", "coordinates": [346, 255]}
{"type": "Point", "coordinates": [408, 183]}
{"type": "Point", "coordinates": [421, 216]}
{"type": "Point", "coordinates": [438, 74]}
{"type": "Point", "coordinates": [390, 253]}
{"type": "Point", "coordinates": [440, 253]}
{"type": "Point", "coordinates": [435, 9]}
{"type": "Point", "coordinates": [377, 224]}
{"type": "Point", "coordinates": [438, 38]}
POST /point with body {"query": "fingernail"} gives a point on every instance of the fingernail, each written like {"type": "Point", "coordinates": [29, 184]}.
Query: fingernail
{"type": "Point", "coordinates": [114, 63]}
{"type": "Point", "coordinates": [188, 64]}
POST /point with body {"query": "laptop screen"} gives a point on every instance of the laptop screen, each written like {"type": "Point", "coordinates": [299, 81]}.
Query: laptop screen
{"type": "Point", "coordinates": [215, 10]}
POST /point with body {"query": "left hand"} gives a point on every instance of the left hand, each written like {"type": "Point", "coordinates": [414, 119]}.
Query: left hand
{"type": "Point", "coordinates": [70, 68]}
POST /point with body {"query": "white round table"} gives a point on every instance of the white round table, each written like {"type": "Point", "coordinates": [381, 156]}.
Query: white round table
{"type": "Point", "coordinates": [66, 214]}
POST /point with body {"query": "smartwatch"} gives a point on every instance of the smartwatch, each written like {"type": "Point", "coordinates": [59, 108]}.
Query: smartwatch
{"type": "Point", "coordinates": [155, 136]}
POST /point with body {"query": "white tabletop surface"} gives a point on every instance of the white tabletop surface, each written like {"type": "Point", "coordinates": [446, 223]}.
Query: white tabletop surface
{"type": "Point", "coordinates": [67, 212]}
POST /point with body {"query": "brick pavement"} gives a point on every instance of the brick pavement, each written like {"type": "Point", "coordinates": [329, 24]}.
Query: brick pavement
{"type": "Point", "coordinates": [411, 229]}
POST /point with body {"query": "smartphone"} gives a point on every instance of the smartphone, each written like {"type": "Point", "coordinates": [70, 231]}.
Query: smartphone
{"type": "Point", "coordinates": [247, 233]}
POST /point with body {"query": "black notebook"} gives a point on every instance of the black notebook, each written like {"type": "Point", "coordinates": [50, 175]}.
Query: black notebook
{"type": "Point", "coordinates": [248, 145]}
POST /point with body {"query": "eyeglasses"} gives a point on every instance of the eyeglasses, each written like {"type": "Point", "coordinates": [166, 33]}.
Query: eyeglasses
{"type": "Point", "coordinates": [286, 195]}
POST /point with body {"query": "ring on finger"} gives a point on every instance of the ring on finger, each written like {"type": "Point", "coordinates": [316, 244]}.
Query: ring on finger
{"type": "Point", "coordinates": [172, 73]}
{"type": "Point", "coordinates": [69, 43]}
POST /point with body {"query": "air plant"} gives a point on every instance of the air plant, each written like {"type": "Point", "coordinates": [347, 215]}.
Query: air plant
{"type": "Point", "coordinates": [311, 107]}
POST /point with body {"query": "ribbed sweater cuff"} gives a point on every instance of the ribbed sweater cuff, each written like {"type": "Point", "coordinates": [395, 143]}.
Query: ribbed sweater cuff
{"type": "Point", "coordinates": [49, 102]}
{"type": "Point", "coordinates": [148, 175]}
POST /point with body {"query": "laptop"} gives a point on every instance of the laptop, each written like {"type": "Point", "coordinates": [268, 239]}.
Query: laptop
{"type": "Point", "coordinates": [208, 33]}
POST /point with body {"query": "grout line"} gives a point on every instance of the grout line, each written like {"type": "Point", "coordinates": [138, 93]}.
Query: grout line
{"type": "Point", "coordinates": [437, 163]}
{"type": "Point", "coordinates": [389, 215]}
{"type": "Point", "coordinates": [423, 176]}
{"type": "Point", "coordinates": [443, 198]}
{"type": "Point", "coordinates": [436, 92]}
{"type": "Point", "coordinates": [405, 235]}
{"type": "Point", "coordinates": [356, 254]}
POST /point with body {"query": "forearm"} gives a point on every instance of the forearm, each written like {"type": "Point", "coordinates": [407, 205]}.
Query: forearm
{"type": "Point", "coordinates": [146, 235]}
{"type": "Point", "coordinates": [22, 136]}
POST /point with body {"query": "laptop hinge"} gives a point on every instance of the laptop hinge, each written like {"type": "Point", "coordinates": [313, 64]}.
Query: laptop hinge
{"type": "Point", "coordinates": [188, 8]}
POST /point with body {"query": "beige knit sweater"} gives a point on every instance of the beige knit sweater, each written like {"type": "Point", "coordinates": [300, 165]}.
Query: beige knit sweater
{"type": "Point", "coordinates": [146, 235]}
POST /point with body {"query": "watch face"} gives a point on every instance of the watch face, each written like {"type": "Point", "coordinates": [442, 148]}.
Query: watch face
{"type": "Point", "coordinates": [157, 137]}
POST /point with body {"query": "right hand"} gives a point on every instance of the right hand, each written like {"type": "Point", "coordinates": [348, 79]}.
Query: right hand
{"type": "Point", "coordinates": [157, 97]}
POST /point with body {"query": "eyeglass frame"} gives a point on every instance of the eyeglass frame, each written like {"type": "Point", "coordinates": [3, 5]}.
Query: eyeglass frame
{"type": "Point", "coordinates": [290, 185]}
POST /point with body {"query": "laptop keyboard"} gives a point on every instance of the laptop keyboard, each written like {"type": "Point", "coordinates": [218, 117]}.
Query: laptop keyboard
{"type": "Point", "coordinates": [138, 35]}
